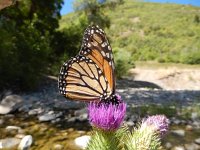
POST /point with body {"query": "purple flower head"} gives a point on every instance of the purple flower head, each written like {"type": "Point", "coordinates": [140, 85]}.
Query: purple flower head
{"type": "Point", "coordinates": [158, 123]}
{"type": "Point", "coordinates": [118, 97]}
{"type": "Point", "coordinates": [106, 116]}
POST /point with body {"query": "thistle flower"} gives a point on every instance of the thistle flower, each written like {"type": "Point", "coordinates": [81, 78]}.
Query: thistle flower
{"type": "Point", "coordinates": [118, 97]}
{"type": "Point", "coordinates": [158, 123]}
{"type": "Point", "coordinates": [147, 136]}
{"type": "Point", "coordinates": [106, 116]}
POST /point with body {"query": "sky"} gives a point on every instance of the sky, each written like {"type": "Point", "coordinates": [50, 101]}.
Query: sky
{"type": "Point", "coordinates": [68, 6]}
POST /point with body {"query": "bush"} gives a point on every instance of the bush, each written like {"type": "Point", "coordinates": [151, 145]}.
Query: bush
{"type": "Point", "coordinates": [123, 62]}
{"type": "Point", "coordinates": [67, 43]}
{"type": "Point", "coordinates": [27, 39]}
{"type": "Point", "coordinates": [191, 57]}
{"type": "Point", "coordinates": [23, 57]}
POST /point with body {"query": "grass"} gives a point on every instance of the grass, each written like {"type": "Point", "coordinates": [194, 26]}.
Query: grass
{"type": "Point", "coordinates": [156, 65]}
{"type": "Point", "coordinates": [152, 31]}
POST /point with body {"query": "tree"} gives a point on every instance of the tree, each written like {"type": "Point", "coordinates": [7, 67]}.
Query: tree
{"type": "Point", "coordinates": [93, 11]}
{"type": "Point", "coordinates": [27, 30]}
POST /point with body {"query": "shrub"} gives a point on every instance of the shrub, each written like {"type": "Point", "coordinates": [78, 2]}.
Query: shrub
{"type": "Point", "coordinates": [23, 57]}
{"type": "Point", "coordinates": [123, 62]}
{"type": "Point", "coordinates": [191, 58]}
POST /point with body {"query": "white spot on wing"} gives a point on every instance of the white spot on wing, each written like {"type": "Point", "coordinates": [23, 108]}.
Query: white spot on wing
{"type": "Point", "coordinates": [89, 45]}
{"type": "Point", "coordinates": [109, 48]}
{"type": "Point", "coordinates": [108, 55]}
{"type": "Point", "coordinates": [103, 53]}
{"type": "Point", "coordinates": [103, 44]}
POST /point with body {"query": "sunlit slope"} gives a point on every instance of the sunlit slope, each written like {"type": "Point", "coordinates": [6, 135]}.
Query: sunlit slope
{"type": "Point", "coordinates": [152, 31]}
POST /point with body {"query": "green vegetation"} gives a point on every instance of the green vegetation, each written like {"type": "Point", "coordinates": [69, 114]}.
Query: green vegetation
{"type": "Point", "coordinates": [28, 36]}
{"type": "Point", "coordinates": [33, 43]}
{"type": "Point", "coordinates": [171, 110]}
{"type": "Point", "coordinates": [168, 110]}
{"type": "Point", "coordinates": [152, 31]}
{"type": "Point", "coordinates": [123, 62]}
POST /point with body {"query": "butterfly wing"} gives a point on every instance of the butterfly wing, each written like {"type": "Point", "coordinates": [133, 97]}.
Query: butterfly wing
{"type": "Point", "coordinates": [96, 47]}
{"type": "Point", "coordinates": [81, 79]}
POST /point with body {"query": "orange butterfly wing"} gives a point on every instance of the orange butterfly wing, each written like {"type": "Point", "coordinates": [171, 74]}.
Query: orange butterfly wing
{"type": "Point", "coordinates": [96, 46]}
{"type": "Point", "coordinates": [81, 79]}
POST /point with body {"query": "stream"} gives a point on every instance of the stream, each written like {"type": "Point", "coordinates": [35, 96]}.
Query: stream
{"type": "Point", "coordinates": [61, 135]}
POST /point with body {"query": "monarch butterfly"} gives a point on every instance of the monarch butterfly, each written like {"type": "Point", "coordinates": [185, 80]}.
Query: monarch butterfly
{"type": "Point", "coordinates": [90, 76]}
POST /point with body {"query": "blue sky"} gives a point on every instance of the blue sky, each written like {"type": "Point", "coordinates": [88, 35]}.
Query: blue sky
{"type": "Point", "coordinates": [68, 6]}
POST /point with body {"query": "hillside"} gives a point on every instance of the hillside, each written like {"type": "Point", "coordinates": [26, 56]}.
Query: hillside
{"type": "Point", "coordinates": [152, 31]}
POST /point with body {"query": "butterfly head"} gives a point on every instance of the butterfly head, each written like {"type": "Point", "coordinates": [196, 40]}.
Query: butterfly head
{"type": "Point", "coordinates": [114, 99]}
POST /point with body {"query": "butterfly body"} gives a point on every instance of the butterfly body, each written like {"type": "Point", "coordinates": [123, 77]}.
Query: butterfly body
{"type": "Point", "coordinates": [89, 76]}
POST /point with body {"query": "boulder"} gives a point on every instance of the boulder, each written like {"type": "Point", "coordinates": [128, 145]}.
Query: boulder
{"type": "Point", "coordinates": [82, 141]}
{"type": "Point", "coordinates": [10, 103]}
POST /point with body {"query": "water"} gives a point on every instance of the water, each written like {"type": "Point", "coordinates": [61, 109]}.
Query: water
{"type": "Point", "coordinates": [46, 135]}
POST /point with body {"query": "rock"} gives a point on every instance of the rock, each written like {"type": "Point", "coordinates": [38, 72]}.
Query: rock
{"type": "Point", "coordinates": [196, 124]}
{"type": "Point", "coordinates": [178, 132]}
{"type": "Point", "coordinates": [6, 93]}
{"type": "Point", "coordinates": [82, 117]}
{"type": "Point", "coordinates": [56, 120]}
{"type": "Point", "coordinates": [71, 130]}
{"type": "Point", "coordinates": [10, 103]}
{"type": "Point", "coordinates": [197, 141]}
{"type": "Point", "coordinates": [49, 116]}
{"type": "Point", "coordinates": [67, 105]}
{"type": "Point", "coordinates": [178, 148]}
{"type": "Point", "coordinates": [24, 108]}
{"type": "Point", "coordinates": [81, 132]}
{"type": "Point", "coordinates": [184, 122]}
{"type": "Point", "coordinates": [9, 116]}
{"type": "Point", "coordinates": [58, 147]}
{"type": "Point", "coordinates": [176, 121]}
{"type": "Point", "coordinates": [71, 120]}
{"type": "Point", "coordinates": [1, 121]}
{"type": "Point", "coordinates": [25, 142]}
{"type": "Point", "coordinates": [82, 141]}
{"type": "Point", "coordinates": [14, 129]}
{"type": "Point", "coordinates": [120, 90]}
{"type": "Point", "coordinates": [9, 143]}
{"type": "Point", "coordinates": [168, 145]}
{"type": "Point", "coordinates": [80, 112]}
{"type": "Point", "coordinates": [20, 136]}
{"type": "Point", "coordinates": [194, 116]}
{"type": "Point", "coordinates": [192, 146]}
{"type": "Point", "coordinates": [188, 127]}
{"type": "Point", "coordinates": [36, 111]}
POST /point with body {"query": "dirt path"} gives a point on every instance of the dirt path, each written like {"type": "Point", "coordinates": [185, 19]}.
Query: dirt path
{"type": "Point", "coordinates": [161, 84]}
{"type": "Point", "coordinates": [169, 78]}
